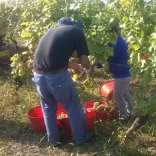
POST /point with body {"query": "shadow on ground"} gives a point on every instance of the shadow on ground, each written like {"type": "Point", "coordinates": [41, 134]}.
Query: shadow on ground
{"type": "Point", "coordinates": [105, 142]}
{"type": "Point", "coordinates": [20, 132]}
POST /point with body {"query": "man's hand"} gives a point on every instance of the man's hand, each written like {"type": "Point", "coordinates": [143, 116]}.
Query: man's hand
{"type": "Point", "coordinates": [84, 61]}
{"type": "Point", "coordinates": [74, 65]}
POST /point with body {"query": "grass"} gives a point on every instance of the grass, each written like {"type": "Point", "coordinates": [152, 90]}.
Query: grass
{"type": "Point", "coordinates": [17, 138]}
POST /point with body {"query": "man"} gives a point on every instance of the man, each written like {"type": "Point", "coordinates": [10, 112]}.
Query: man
{"type": "Point", "coordinates": [53, 82]}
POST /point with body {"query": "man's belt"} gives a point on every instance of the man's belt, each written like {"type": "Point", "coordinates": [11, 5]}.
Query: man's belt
{"type": "Point", "coordinates": [55, 71]}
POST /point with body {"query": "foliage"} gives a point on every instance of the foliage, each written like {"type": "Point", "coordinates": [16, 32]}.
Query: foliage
{"type": "Point", "coordinates": [28, 20]}
{"type": "Point", "coordinates": [147, 107]}
{"type": "Point", "coordinates": [21, 64]}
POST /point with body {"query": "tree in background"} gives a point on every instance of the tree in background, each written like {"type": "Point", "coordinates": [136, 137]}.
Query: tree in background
{"type": "Point", "coordinates": [26, 21]}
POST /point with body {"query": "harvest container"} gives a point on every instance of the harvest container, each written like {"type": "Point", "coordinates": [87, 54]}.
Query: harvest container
{"type": "Point", "coordinates": [35, 116]}
{"type": "Point", "coordinates": [106, 89]}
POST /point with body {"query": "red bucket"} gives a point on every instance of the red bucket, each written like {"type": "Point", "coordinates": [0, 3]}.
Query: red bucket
{"type": "Point", "coordinates": [64, 122]}
{"type": "Point", "coordinates": [106, 89]}
{"type": "Point", "coordinates": [90, 117]}
{"type": "Point", "coordinates": [89, 104]}
{"type": "Point", "coordinates": [35, 116]}
{"type": "Point", "coordinates": [100, 115]}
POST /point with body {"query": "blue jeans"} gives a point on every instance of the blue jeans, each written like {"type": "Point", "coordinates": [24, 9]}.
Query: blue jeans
{"type": "Point", "coordinates": [59, 87]}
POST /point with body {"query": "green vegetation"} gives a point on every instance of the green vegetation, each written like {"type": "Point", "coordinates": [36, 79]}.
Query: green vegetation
{"type": "Point", "coordinates": [25, 22]}
{"type": "Point", "coordinates": [22, 25]}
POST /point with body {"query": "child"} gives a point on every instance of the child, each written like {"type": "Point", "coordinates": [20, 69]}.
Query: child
{"type": "Point", "coordinates": [118, 66]}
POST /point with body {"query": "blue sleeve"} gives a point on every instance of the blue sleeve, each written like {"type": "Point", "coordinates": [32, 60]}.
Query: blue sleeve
{"type": "Point", "coordinates": [121, 48]}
